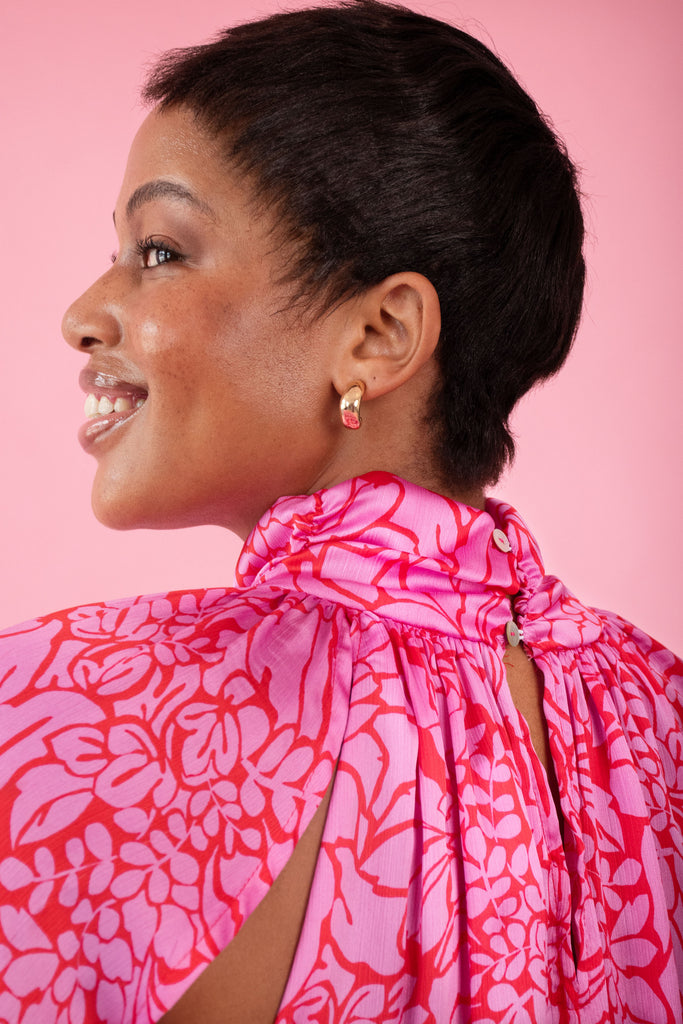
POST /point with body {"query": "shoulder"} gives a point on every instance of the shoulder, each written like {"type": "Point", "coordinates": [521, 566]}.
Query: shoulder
{"type": "Point", "coordinates": [643, 671]}
{"type": "Point", "coordinates": [165, 670]}
{"type": "Point", "coordinates": [87, 646]}
{"type": "Point", "coordinates": [156, 753]}
{"type": "Point", "coordinates": [123, 699]}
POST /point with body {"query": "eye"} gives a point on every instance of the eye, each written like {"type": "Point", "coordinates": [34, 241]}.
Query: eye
{"type": "Point", "coordinates": [154, 252]}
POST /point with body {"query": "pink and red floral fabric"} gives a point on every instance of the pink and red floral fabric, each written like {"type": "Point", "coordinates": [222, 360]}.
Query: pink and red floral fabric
{"type": "Point", "coordinates": [160, 757]}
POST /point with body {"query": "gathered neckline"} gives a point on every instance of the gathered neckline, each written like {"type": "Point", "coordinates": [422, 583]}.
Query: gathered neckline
{"type": "Point", "coordinates": [380, 544]}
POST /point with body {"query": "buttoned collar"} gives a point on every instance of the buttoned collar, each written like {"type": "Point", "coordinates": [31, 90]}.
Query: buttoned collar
{"type": "Point", "coordinates": [382, 545]}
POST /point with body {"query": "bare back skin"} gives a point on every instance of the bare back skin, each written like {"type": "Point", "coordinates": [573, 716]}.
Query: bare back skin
{"type": "Point", "coordinates": [246, 981]}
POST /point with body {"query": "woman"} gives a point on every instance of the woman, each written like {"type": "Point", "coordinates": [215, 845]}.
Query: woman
{"type": "Point", "coordinates": [398, 773]}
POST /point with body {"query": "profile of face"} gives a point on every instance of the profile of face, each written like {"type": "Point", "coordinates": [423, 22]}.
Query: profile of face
{"type": "Point", "coordinates": [210, 392]}
{"type": "Point", "coordinates": [210, 395]}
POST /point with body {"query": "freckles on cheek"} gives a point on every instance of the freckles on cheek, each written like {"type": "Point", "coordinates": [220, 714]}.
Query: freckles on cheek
{"type": "Point", "coordinates": [167, 347]}
{"type": "Point", "coordinates": [154, 338]}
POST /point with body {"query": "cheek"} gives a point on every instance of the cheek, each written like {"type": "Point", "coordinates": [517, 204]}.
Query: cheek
{"type": "Point", "coordinates": [153, 338]}
{"type": "Point", "coordinates": [221, 346]}
{"type": "Point", "coordinates": [182, 341]}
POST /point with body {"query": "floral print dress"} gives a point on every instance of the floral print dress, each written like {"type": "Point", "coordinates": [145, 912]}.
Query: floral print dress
{"type": "Point", "coordinates": [161, 756]}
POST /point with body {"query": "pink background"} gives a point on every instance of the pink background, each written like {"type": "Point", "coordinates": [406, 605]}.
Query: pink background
{"type": "Point", "coordinates": [598, 475]}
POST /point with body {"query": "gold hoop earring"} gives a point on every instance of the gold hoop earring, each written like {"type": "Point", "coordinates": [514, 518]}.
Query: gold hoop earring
{"type": "Point", "coordinates": [349, 405]}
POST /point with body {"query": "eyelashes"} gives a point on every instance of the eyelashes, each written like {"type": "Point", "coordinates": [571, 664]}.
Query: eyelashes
{"type": "Point", "coordinates": [153, 252]}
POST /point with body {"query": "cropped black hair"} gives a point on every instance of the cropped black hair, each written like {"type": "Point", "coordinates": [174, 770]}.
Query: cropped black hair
{"type": "Point", "coordinates": [388, 141]}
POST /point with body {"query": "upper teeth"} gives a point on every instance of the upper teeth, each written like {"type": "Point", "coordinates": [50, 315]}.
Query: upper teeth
{"type": "Point", "coordinates": [104, 405]}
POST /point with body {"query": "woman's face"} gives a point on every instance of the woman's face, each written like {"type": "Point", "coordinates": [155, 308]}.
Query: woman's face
{"type": "Point", "coordinates": [211, 398]}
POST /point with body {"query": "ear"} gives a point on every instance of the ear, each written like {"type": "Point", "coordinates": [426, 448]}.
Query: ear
{"type": "Point", "coordinates": [388, 334]}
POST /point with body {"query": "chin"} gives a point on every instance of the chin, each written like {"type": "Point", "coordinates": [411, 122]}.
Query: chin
{"type": "Point", "coordinates": [122, 501]}
{"type": "Point", "coordinates": [130, 513]}
{"type": "Point", "coordinates": [146, 512]}
{"type": "Point", "coordinates": [116, 518]}
{"type": "Point", "coordinates": [120, 505]}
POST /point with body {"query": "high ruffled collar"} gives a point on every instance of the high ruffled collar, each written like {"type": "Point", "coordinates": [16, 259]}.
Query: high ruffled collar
{"type": "Point", "coordinates": [380, 544]}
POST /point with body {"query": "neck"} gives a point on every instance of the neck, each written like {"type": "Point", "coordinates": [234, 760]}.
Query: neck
{"type": "Point", "coordinates": [410, 470]}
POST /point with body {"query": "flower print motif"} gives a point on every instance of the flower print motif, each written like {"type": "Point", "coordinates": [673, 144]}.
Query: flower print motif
{"type": "Point", "coordinates": [279, 772]}
{"type": "Point", "coordinates": [206, 740]}
{"type": "Point", "coordinates": [34, 726]}
{"type": "Point", "coordinates": [111, 671]}
{"type": "Point", "coordinates": [139, 620]}
{"type": "Point", "coordinates": [80, 749]}
{"type": "Point", "coordinates": [165, 753]}
{"type": "Point", "coordinates": [134, 765]}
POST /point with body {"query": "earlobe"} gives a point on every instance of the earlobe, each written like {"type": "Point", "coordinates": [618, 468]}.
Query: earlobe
{"type": "Point", "coordinates": [391, 333]}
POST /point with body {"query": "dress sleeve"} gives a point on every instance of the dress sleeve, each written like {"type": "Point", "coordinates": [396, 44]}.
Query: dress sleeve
{"type": "Point", "coordinates": [158, 763]}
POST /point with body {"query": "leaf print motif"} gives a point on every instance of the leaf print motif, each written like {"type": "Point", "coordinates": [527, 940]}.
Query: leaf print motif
{"type": "Point", "coordinates": [161, 756]}
{"type": "Point", "coordinates": [50, 799]}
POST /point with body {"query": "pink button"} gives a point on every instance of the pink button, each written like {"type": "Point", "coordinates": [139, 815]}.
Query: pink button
{"type": "Point", "coordinates": [512, 633]}
{"type": "Point", "coordinates": [501, 541]}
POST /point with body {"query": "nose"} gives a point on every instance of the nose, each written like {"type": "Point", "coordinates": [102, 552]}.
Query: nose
{"type": "Point", "coordinates": [92, 319]}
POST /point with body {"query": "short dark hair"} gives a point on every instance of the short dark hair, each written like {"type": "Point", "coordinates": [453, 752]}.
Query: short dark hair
{"type": "Point", "coordinates": [385, 141]}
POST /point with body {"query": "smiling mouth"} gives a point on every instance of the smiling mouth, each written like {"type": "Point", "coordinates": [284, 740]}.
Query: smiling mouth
{"type": "Point", "coordinates": [109, 403]}
{"type": "Point", "coordinates": [104, 406]}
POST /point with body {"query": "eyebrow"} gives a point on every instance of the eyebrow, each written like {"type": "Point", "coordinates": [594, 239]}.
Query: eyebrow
{"type": "Point", "coordinates": [162, 189]}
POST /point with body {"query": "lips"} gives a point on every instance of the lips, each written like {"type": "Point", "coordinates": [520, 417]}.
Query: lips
{"type": "Point", "coordinates": [110, 402]}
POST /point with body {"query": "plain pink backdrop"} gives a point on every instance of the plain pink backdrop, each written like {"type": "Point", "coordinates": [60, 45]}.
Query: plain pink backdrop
{"type": "Point", "coordinates": [598, 475]}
